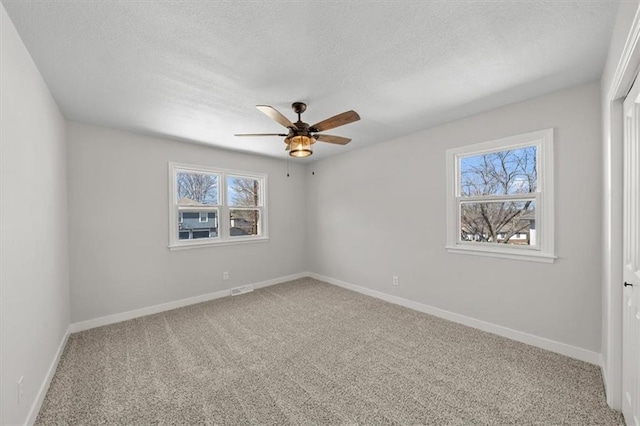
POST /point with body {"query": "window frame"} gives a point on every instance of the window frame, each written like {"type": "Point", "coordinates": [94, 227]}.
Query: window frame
{"type": "Point", "coordinates": [543, 197]}
{"type": "Point", "coordinates": [222, 209]}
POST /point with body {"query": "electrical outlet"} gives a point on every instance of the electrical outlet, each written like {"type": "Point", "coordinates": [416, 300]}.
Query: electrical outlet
{"type": "Point", "coordinates": [225, 275]}
{"type": "Point", "coordinates": [395, 281]}
{"type": "Point", "coordinates": [20, 390]}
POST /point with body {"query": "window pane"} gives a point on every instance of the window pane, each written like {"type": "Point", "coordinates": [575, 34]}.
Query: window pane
{"type": "Point", "coordinates": [498, 173]}
{"type": "Point", "coordinates": [243, 192]}
{"type": "Point", "coordinates": [503, 222]}
{"type": "Point", "coordinates": [195, 225]}
{"type": "Point", "coordinates": [244, 222]}
{"type": "Point", "coordinates": [197, 189]}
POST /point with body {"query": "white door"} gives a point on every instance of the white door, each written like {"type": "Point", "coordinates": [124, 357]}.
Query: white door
{"type": "Point", "coordinates": [631, 267]}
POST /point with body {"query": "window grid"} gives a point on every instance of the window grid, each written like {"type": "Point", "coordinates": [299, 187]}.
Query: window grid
{"type": "Point", "coordinates": [218, 206]}
{"type": "Point", "coordinates": [538, 199]}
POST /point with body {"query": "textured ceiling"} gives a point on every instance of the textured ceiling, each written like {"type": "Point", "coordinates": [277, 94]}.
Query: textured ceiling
{"type": "Point", "coordinates": [195, 70]}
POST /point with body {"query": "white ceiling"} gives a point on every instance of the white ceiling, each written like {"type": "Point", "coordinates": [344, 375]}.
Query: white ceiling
{"type": "Point", "coordinates": [194, 70]}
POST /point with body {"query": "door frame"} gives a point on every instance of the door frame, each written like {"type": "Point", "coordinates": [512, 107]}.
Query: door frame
{"type": "Point", "coordinates": [612, 258]}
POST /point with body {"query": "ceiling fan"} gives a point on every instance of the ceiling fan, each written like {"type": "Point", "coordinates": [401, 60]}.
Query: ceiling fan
{"type": "Point", "coordinates": [301, 136]}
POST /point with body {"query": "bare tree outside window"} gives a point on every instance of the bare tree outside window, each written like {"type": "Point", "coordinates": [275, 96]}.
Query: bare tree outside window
{"type": "Point", "coordinates": [199, 187]}
{"type": "Point", "coordinates": [510, 172]}
{"type": "Point", "coordinates": [244, 192]}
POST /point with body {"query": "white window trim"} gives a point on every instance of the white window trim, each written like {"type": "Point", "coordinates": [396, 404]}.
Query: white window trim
{"type": "Point", "coordinates": [222, 209]}
{"type": "Point", "coordinates": [544, 252]}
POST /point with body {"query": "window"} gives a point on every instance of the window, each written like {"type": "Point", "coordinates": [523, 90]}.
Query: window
{"type": "Point", "coordinates": [244, 212]}
{"type": "Point", "coordinates": [201, 196]}
{"type": "Point", "coordinates": [500, 198]}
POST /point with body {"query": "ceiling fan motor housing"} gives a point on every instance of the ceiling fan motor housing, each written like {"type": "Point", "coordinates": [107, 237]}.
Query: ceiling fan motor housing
{"type": "Point", "coordinates": [299, 107]}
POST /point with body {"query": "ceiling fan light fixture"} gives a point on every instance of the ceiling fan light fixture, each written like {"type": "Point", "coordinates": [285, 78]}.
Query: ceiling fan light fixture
{"type": "Point", "coordinates": [300, 146]}
{"type": "Point", "coordinates": [301, 136]}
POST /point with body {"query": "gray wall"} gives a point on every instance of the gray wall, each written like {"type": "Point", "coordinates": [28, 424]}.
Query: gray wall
{"type": "Point", "coordinates": [118, 201]}
{"type": "Point", "coordinates": [34, 264]}
{"type": "Point", "coordinates": [380, 211]}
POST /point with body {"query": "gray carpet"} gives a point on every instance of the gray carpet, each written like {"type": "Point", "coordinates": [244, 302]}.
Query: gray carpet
{"type": "Point", "coordinates": [306, 352]}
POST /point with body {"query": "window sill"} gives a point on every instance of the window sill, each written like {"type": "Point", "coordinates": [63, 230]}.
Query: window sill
{"type": "Point", "coordinates": [517, 254]}
{"type": "Point", "coordinates": [194, 245]}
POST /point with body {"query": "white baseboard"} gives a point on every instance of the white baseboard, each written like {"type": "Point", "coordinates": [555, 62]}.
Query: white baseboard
{"type": "Point", "coordinates": [603, 369]}
{"type": "Point", "coordinates": [42, 392]}
{"type": "Point", "coordinates": [124, 316]}
{"type": "Point", "coordinates": [530, 339]}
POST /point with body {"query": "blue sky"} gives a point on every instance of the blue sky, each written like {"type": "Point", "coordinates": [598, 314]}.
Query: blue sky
{"type": "Point", "coordinates": [484, 174]}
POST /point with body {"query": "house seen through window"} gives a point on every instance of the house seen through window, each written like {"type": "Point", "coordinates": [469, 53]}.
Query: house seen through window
{"type": "Point", "coordinates": [215, 206]}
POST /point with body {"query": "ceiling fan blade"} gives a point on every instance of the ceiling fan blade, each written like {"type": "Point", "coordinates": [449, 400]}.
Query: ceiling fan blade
{"type": "Point", "coordinates": [332, 139]}
{"type": "Point", "coordinates": [335, 121]}
{"type": "Point", "coordinates": [276, 115]}
{"type": "Point", "coordinates": [260, 134]}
